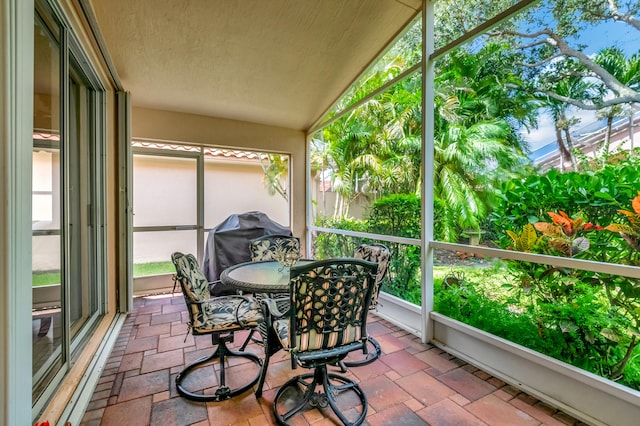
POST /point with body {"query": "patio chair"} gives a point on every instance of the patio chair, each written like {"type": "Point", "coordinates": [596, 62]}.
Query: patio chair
{"type": "Point", "coordinates": [329, 301]}
{"type": "Point", "coordinates": [271, 247]}
{"type": "Point", "coordinates": [380, 254]}
{"type": "Point", "coordinates": [274, 247]}
{"type": "Point", "coordinates": [218, 316]}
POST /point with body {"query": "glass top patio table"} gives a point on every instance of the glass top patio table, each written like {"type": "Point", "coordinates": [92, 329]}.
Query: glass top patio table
{"type": "Point", "coordinates": [259, 277]}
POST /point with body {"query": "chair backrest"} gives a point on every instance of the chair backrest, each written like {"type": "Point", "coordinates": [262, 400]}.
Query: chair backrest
{"type": "Point", "coordinates": [329, 303]}
{"type": "Point", "coordinates": [195, 289]}
{"type": "Point", "coordinates": [380, 254]}
{"type": "Point", "coordinates": [269, 247]}
{"type": "Point", "coordinates": [195, 286]}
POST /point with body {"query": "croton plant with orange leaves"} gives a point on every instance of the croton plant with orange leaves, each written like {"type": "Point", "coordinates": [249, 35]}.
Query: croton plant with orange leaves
{"type": "Point", "coordinates": [631, 231]}
{"type": "Point", "coordinates": [564, 233]}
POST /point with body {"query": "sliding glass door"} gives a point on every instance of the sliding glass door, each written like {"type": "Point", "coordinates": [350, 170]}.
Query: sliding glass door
{"type": "Point", "coordinates": [68, 186]}
{"type": "Point", "coordinates": [81, 174]}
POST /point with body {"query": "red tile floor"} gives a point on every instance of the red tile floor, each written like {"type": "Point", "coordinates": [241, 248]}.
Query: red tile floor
{"type": "Point", "coordinates": [410, 384]}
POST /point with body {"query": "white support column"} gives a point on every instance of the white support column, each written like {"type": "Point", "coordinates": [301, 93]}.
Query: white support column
{"type": "Point", "coordinates": [125, 203]}
{"type": "Point", "coordinates": [16, 127]}
{"type": "Point", "coordinates": [427, 167]}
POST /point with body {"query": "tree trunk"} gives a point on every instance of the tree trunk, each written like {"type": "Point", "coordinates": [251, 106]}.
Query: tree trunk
{"type": "Point", "coordinates": [631, 132]}
{"type": "Point", "coordinates": [562, 148]}
{"type": "Point", "coordinates": [607, 141]}
{"type": "Point", "coordinates": [572, 155]}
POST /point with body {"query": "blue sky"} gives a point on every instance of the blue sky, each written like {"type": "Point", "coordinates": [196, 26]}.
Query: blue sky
{"type": "Point", "coordinates": [611, 33]}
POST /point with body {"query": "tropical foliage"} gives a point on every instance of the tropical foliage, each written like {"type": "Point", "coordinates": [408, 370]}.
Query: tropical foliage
{"type": "Point", "coordinates": [487, 94]}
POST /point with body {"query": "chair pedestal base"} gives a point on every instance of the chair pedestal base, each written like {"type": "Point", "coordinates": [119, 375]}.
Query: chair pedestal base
{"type": "Point", "coordinates": [367, 359]}
{"type": "Point", "coordinates": [332, 384]}
{"type": "Point", "coordinates": [223, 391]}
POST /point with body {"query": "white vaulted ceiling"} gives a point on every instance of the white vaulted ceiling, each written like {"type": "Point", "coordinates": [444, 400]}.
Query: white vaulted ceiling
{"type": "Point", "coordinates": [275, 62]}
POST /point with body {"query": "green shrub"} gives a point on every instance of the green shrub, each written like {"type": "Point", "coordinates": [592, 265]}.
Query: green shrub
{"type": "Point", "coordinates": [399, 215]}
{"type": "Point", "coordinates": [332, 245]}
{"type": "Point", "coordinates": [596, 195]}
{"type": "Point", "coordinates": [466, 304]}
{"type": "Point", "coordinates": [578, 333]}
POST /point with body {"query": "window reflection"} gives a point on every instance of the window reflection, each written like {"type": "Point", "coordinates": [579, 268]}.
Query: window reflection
{"type": "Point", "coordinates": [46, 254]}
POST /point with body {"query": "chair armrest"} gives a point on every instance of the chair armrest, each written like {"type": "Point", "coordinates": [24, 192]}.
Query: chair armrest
{"type": "Point", "coordinates": [274, 306]}
{"type": "Point", "coordinates": [218, 288]}
{"type": "Point", "coordinates": [231, 296]}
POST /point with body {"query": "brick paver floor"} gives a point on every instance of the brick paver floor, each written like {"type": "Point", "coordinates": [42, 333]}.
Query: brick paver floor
{"type": "Point", "coordinates": [410, 384]}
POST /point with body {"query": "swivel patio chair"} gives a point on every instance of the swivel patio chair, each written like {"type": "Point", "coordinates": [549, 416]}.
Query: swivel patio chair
{"type": "Point", "coordinates": [218, 316]}
{"type": "Point", "coordinates": [380, 254]}
{"type": "Point", "coordinates": [326, 320]}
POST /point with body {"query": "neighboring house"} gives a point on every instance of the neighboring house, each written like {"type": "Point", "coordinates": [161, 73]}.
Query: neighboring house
{"type": "Point", "coordinates": [590, 140]}
{"type": "Point", "coordinates": [327, 198]}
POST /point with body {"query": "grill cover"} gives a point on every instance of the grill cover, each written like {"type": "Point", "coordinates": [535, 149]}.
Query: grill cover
{"type": "Point", "coordinates": [228, 241]}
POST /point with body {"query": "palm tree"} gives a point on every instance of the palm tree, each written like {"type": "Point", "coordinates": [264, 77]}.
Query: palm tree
{"type": "Point", "coordinates": [608, 113]}
{"type": "Point", "coordinates": [574, 87]}
{"type": "Point", "coordinates": [464, 156]}
{"type": "Point", "coordinates": [376, 150]}
{"type": "Point", "coordinates": [626, 71]}
{"type": "Point", "coordinates": [275, 168]}
{"type": "Point", "coordinates": [350, 146]}
{"type": "Point", "coordinates": [476, 143]}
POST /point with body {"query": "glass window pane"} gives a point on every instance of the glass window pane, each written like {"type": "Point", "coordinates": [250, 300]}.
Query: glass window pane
{"type": "Point", "coordinates": [46, 258]}
{"type": "Point", "coordinates": [164, 191]}
{"type": "Point", "coordinates": [46, 182]}
{"type": "Point", "coordinates": [533, 138]}
{"type": "Point", "coordinates": [543, 89]}
{"type": "Point", "coordinates": [404, 275]}
{"type": "Point", "coordinates": [583, 318]}
{"type": "Point", "coordinates": [152, 250]}
{"type": "Point", "coordinates": [80, 197]}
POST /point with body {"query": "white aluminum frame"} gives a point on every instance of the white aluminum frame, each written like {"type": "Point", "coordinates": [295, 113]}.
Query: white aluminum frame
{"type": "Point", "coordinates": [16, 131]}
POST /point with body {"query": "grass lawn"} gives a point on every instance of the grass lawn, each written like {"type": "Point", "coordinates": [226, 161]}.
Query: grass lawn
{"type": "Point", "coordinates": [139, 270]}
{"type": "Point", "coordinates": [491, 280]}
{"type": "Point", "coordinates": [153, 268]}
{"type": "Point", "coordinates": [39, 279]}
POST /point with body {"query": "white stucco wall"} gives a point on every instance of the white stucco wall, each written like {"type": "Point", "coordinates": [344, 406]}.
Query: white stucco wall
{"type": "Point", "coordinates": [159, 125]}
{"type": "Point", "coordinates": [236, 186]}
{"type": "Point", "coordinates": [165, 194]}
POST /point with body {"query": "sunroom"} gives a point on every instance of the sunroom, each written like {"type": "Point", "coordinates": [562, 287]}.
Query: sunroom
{"type": "Point", "coordinates": [401, 122]}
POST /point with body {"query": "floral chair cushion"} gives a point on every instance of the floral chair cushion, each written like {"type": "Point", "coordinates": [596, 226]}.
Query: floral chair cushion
{"type": "Point", "coordinates": [194, 284]}
{"type": "Point", "coordinates": [274, 247]}
{"type": "Point", "coordinates": [224, 314]}
{"type": "Point", "coordinates": [380, 254]}
{"type": "Point", "coordinates": [216, 314]}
